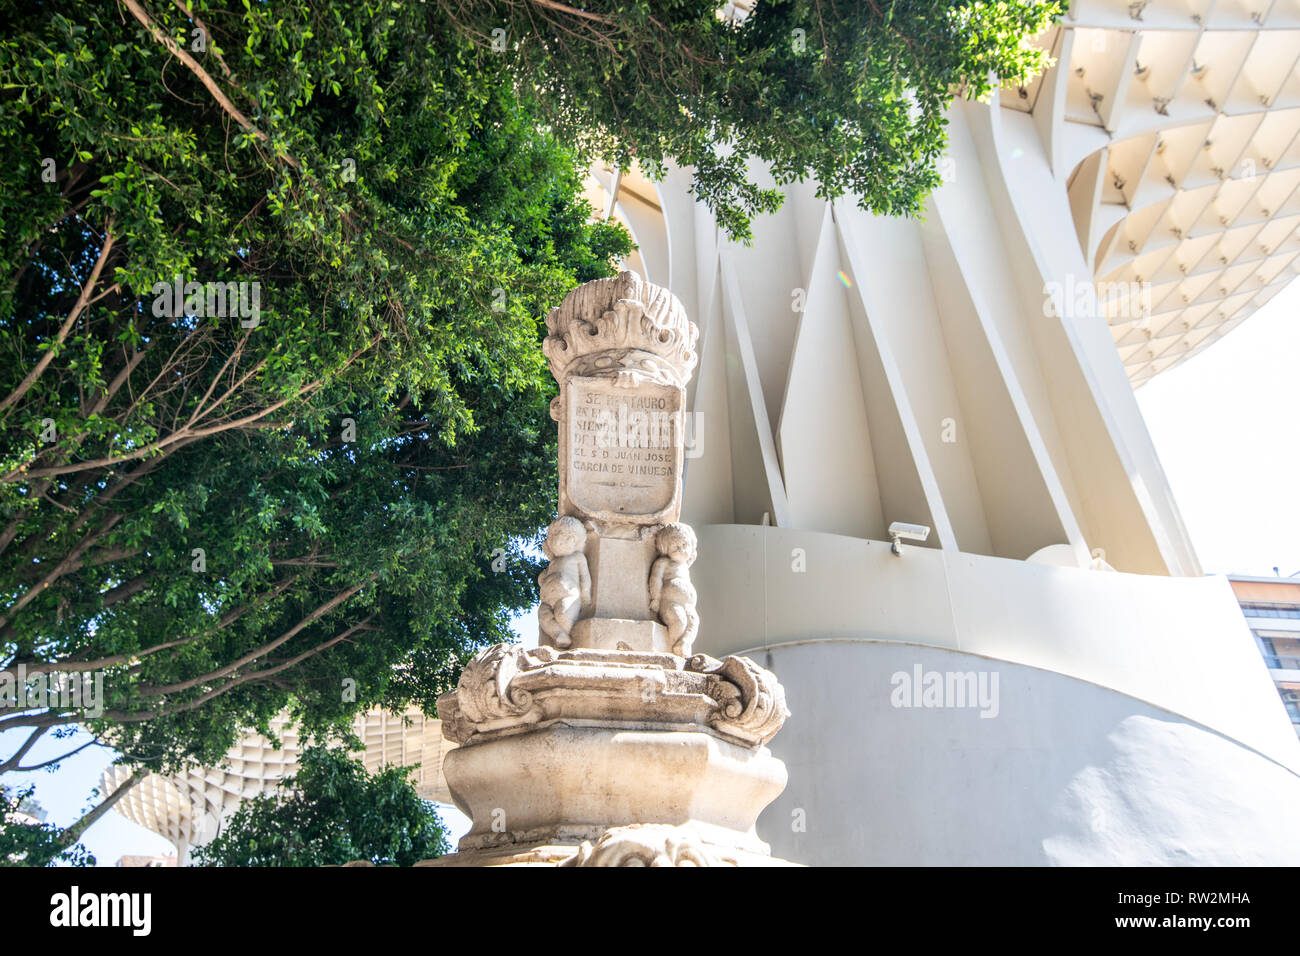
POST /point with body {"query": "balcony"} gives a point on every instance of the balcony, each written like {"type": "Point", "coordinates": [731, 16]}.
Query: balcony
{"type": "Point", "coordinates": [1278, 663]}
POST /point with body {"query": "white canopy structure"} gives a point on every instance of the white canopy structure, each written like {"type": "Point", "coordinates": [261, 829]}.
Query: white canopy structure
{"type": "Point", "coordinates": [1048, 678]}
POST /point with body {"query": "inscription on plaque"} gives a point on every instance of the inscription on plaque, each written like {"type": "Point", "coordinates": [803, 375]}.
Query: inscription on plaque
{"type": "Point", "coordinates": [624, 448]}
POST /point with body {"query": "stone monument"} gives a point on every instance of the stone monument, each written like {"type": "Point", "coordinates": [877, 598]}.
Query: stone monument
{"type": "Point", "coordinates": [612, 743]}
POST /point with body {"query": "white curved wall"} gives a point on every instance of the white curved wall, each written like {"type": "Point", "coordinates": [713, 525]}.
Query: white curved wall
{"type": "Point", "coordinates": [1066, 773]}
{"type": "Point", "coordinates": [1178, 643]}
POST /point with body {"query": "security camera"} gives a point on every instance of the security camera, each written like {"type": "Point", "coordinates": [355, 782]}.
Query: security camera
{"type": "Point", "coordinates": [899, 530]}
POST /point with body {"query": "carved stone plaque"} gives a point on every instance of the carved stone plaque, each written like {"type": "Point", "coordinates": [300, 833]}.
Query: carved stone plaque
{"type": "Point", "coordinates": [621, 450]}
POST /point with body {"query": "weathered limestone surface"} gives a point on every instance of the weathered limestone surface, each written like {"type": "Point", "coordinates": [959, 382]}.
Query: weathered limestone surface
{"type": "Point", "coordinates": [622, 351]}
{"type": "Point", "coordinates": [559, 748]}
{"type": "Point", "coordinates": [611, 744]}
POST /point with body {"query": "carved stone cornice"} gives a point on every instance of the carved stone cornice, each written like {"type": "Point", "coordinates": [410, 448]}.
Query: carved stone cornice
{"type": "Point", "coordinates": [508, 689]}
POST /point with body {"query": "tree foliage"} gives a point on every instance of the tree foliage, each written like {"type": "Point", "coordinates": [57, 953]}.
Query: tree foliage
{"type": "Point", "coordinates": [331, 812]}
{"type": "Point", "coordinates": [184, 506]}
{"type": "Point", "coordinates": [25, 841]}
{"type": "Point", "coordinates": [850, 93]}
{"type": "Point", "coordinates": [228, 510]}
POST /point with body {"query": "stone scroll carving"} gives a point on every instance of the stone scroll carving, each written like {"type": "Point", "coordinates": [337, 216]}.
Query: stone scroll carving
{"type": "Point", "coordinates": [647, 845]}
{"type": "Point", "coordinates": [486, 694]}
{"type": "Point", "coordinates": [751, 701]}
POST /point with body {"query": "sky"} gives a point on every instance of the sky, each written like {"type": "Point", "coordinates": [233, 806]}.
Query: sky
{"type": "Point", "coordinates": [1225, 423]}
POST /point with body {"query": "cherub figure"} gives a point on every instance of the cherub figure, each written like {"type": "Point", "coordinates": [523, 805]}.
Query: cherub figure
{"type": "Point", "coordinates": [672, 596]}
{"type": "Point", "coordinates": [566, 582]}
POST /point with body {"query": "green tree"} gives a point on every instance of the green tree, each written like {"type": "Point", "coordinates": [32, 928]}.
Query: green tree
{"type": "Point", "coordinates": [851, 93]}
{"type": "Point", "coordinates": [225, 512]}
{"type": "Point", "coordinates": [185, 507]}
{"type": "Point", "coordinates": [332, 811]}
{"type": "Point", "coordinates": [26, 841]}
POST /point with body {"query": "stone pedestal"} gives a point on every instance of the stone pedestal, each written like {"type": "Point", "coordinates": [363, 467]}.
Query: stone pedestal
{"type": "Point", "coordinates": [620, 634]}
{"type": "Point", "coordinates": [584, 757]}
{"type": "Point", "coordinates": [611, 744]}
{"type": "Point", "coordinates": [620, 567]}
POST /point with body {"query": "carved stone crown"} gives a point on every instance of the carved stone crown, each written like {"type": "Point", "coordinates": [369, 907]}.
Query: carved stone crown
{"type": "Point", "coordinates": [624, 323]}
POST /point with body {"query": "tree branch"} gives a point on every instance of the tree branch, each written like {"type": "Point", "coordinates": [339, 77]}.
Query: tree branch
{"type": "Point", "coordinates": [21, 752]}
{"type": "Point", "coordinates": [203, 77]}
{"type": "Point", "coordinates": [73, 833]}
{"type": "Point", "coordinates": [265, 649]}
{"type": "Point", "coordinates": [82, 301]}
{"type": "Point", "coordinates": [126, 717]}
{"type": "Point", "coordinates": [47, 763]}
